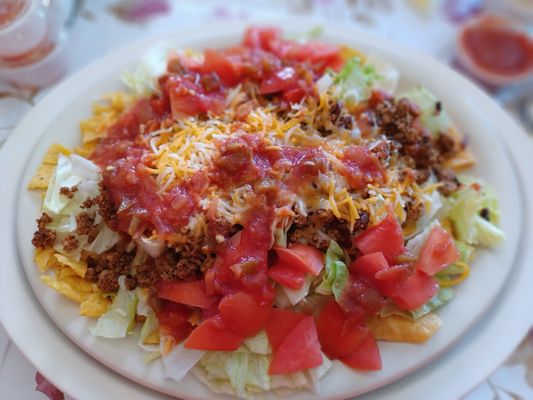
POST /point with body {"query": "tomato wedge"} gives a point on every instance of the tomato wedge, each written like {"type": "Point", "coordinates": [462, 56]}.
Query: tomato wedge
{"type": "Point", "coordinates": [369, 265]}
{"type": "Point", "coordinates": [300, 350]}
{"type": "Point", "coordinates": [242, 313]}
{"type": "Point", "coordinates": [287, 275]}
{"type": "Point", "coordinates": [280, 323]}
{"type": "Point", "coordinates": [386, 237]}
{"type": "Point", "coordinates": [416, 291]}
{"type": "Point", "coordinates": [217, 62]}
{"type": "Point", "coordinates": [438, 252]}
{"type": "Point", "coordinates": [390, 280]}
{"type": "Point", "coordinates": [302, 256]}
{"type": "Point", "coordinates": [174, 320]}
{"type": "Point", "coordinates": [366, 357]}
{"type": "Point", "coordinates": [189, 293]}
{"type": "Point", "coordinates": [213, 334]}
{"type": "Point", "coordinates": [338, 335]}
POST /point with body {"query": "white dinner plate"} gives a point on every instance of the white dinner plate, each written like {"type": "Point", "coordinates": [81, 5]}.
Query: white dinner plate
{"type": "Point", "coordinates": [494, 139]}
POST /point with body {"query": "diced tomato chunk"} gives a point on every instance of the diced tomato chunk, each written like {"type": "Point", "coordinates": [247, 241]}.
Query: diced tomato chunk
{"type": "Point", "coordinates": [416, 291]}
{"type": "Point", "coordinates": [262, 38]}
{"type": "Point", "coordinates": [187, 98]}
{"type": "Point", "coordinates": [280, 323]}
{"type": "Point", "coordinates": [338, 335]}
{"type": "Point", "coordinates": [189, 293]}
{"type": "Point", "coordinates": [300, 350]}
{"type": "Point", "coordinates": [302, 256]}
{"type": "Point", "coordinates": [438, 252]}
{"type": "Point", "coordinates": [243, 314]}
{"type": "Point", "coordinates": [361, 167]}
{"type": "Point", "coordinates": [366, 357]}
{"type": "Point", "coordinates": [174, 320]}
{"type": "Point", "coordinates": [368, 265]}
{"type": "Point", "coordinates": [213, 334]}
{"type": "Point", "coordinates": [287, 275]}
{"type": "Point", "coordinates": [386, 237]}
{"type": "Point", "coordinates": [217, 62]}
{"type": "Point", "coordinates": [390, 280]}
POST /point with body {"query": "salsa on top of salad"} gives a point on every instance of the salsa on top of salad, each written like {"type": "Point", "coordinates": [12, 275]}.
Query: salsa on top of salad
{"type": "Point", "coordinates": [261, 210]}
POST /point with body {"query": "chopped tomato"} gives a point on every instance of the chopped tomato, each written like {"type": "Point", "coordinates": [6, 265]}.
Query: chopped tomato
{"type": "Point", "coordinates": [280, 323]}
{"type": "Point", "coordinates": [360, 296]}
{"type": "Point", "coordinates": [188, 98]}
{"type": "Point", "coordinates": [361, 167]}
{"type": "Point", "coordinates": [339, 335]}
{"type": "Point", "coordinates": [213, 334]}
{"type": "Point", "coordinates": [302, 256]}
{"type": "Point", "coordinates": [287, 275]}
{"type": "Point", "coordinates": [209, 279]}
{"type": "Point", "coordinates": [438, 252]}
{"type": "Point", "coordinates": [366, 357]}
{"type": "Point", "coordinates": [189, 293]}
{"type": "Point", "coordinates": [300, 350]}
{"type": "Point", "coordinates": [174, 320]}
{"type": "Point", "coordinates": [416, 291]}
{"type": "Point", "coordinates": [390, 280]}
{"type": "Point", "coordinates": [369, 265]}
{"type": "Point", "coordinates": [243, 314]}
{"type": "Point", "coordinates": [262, 38]}
{"type": "Point", "coordinates": [217, 62]}
{"type": "Point", "coordinates": [386, 237]}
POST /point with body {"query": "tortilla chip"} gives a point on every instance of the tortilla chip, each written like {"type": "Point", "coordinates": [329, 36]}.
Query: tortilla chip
{"type": "Point", "coordinates": [95, 305]}
{"type": "Point", "coordinates": [64, 288]}
{"type": "Point", "coordinates": [152, 338]}
{"type": "Point", "coordinates": [348, 53]}
{"type": "Point", "coordinates": [85, 149]}
{"type": "Point", "coordinates": [79, 267]}
{"type": "Point", "coordinates": [53, 152]}
{"type": "Point", "coordinates": [395, 328]}
{"type": "Point", "coordinates": [44, 259]}
{"type": "Point", "coordinates": [462, 160]}
{"type": "Point", "coordinates": [42, 177]}
{"type": "Point", "coordinates": [91, 135]}
{"type": "Point", "coordinates": [63, 271]}
{"type": "Point", "coordinates": [79, 284]}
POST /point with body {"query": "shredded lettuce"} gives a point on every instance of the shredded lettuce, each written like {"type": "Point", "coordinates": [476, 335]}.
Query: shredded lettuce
{"type": "Point", "coordinates": [434, 120]}
{"type": "Point", "coordinates": [336, 273]}
{"type": "Point", "coordinates": [464, 209]}
{"type": "Point", "coordinates": [443, 296]}
{"type": "Point", "coordinates": [296, 295]}
{"type": "Point", "coordinates": [244, 372]}
{"type": "Point", "coordinates": [355, 81]}
{"type": "Point", "coordinates": [179, 361]}
{"type": "Point", "coordinates": [153, 64]}
{"type": "Point", "coordinates": [120, 317]}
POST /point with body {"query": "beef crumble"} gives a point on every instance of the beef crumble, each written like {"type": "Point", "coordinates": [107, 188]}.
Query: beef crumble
{"type": "Point", "coordinates": [70, 243]}
{"type": "Point", "coordinates": [43, 237]}
{"type": "Point", "coordinates": [68, 192]}
{"type": "Point", "coordinates": [105, 268]}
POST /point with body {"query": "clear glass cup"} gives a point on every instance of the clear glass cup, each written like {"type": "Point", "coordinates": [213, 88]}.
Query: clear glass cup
{"type": "Point", "coordinates": [31, 41]}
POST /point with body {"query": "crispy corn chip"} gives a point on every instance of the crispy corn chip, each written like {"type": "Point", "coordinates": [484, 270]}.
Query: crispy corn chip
{"type": "Point", "coordinates": [79, 267]}
{"type": "Point", "coordinates": [42, 177]}
{"type": "Point", "coordinates": [62, 271]}
{"type": "Point", "coordinates": [395, 328]}
{"type": "Point", "coordinates": [44, 259]}
{"type": "Point", "coordinates": [463, 160]}
{"type": "Point", "coordinates": [347, 53]}
{"type": "Point", "coordinates": [53, 152]}
{"type": "Point", "coordinates": [64, 288]}
{"type": "Point", "coordinates": [153, 338]}
{"type": "Point", "coordinates": [78, 283]}
{"type": "Point", "coordinates": [85, 149]}
{"type": "Point", "coordinates": [95, 305]}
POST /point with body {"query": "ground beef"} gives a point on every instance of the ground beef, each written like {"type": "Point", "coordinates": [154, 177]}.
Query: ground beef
{"type": "Point", "coordinates": [70, 243]}
{"type": "Point", "coordinates": [449, 181]}
{"type": "Point", "coordinates": [105, 268]}
{"type": "Point", "coordinates": [43, 237]}
{"type": "Point", "coordinates": [399, 121]}
{"type": "Point", "coordinates": [84, 223]}
{"type": "Point", "coordinates": [362, 223]}
{"type": "Point", "coordinates": [106, 207]}
{"type": "Point", "coordinates": [185, 261]}
{"type": "Point", "coordinates": [146, 274]}
{"type": "Point", "coordinates": [130, 282]}
{"type": "Point", "coordinates": [319, 228]}
{"type": "Point", "coordinates": [218, 230]}
{"type": "Point", "coordinates": [446, 146]}
{"type": "Point", "coordinates": [68, 192]}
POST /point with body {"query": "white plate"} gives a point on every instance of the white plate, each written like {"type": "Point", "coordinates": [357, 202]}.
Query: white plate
{"type": "Point", "coordinates": [56, 119]}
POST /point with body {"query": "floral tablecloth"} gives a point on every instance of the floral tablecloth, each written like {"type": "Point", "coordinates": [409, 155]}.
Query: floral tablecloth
{"type": "Point", "coordinates": [96, 28]}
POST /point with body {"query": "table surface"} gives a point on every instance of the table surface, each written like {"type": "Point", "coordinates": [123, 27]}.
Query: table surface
{"type": "Point", "coordinates": [98, 28]}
